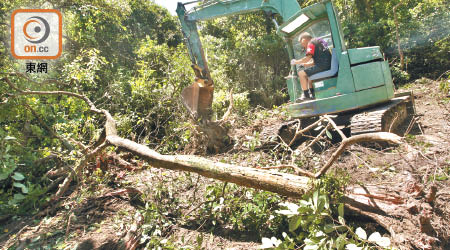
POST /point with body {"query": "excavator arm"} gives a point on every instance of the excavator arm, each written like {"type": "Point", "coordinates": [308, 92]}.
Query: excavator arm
{"type": "Point", "coordinates": [198, 97]}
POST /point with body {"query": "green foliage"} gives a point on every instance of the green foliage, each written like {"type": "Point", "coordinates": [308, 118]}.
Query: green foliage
{"type": "Point", "coordinates": [317, 222]}
{"type": "Point", "coordinates": [244, 209]}
{"type": "Point", "coordinates": [126, 56]}
{"type": "Point", "coordinates": [8, 163]}
{"type": "Point", "coordinates": [221, 102]}
{"type": "Point", "coordinates": [10, 180]}
{"type": "Point", "coordinates": [423, 28]}
{"type": "Point", "coordinates": [84, 68]}
{"type": "Point", "coordinates": [152, 104]}
{"type": "Point", "coordinates": [312, 224]}
{"type": "Point", "coordinates": [160, 212]}
{"type": "Point", "coordinates": [444, 84]}
{"type": "Point", "coordinates": [244, 53]}
{"type": "Point", "coordinates": [441, 175]}
{"type": "Point", "coordinates": [17, 191]}
{"type": "Point", "coordinates": [399, 76]}
{"type": "Point", "coordinates": [252, 142]}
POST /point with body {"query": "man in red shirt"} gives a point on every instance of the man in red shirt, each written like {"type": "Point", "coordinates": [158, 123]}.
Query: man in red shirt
{"type": "Point", "coordinates": [317, 59]}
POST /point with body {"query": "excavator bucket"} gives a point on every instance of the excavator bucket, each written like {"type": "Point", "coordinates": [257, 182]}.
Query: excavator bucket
{"type": "Point", "coordinates": [198, 98]}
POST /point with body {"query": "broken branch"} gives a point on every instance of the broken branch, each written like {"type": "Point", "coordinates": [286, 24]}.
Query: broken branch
{"type": "Point", "coordinates": [230, 108]}
{"type": "Point", "coordinates": [335, 127]}
{"type": "Point", "coordinates": [82, 97]}
{"type": "Point", "coordinates": [379, 136]}
{"type": "Point", "coordinates": [298, 133]}
{"type": "Point", "coordinates": [317, 137]}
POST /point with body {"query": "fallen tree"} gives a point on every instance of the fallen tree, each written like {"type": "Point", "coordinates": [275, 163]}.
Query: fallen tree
{"type": "Point", "coordinates": [390, 210]}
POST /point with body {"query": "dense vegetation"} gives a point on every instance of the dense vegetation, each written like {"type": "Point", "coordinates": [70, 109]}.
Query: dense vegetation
{"type": "Point", "coordinates": [128, 56]}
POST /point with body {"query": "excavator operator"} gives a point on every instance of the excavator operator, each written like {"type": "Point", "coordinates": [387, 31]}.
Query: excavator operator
{"type": "Point", "coordinates": [317, 59]}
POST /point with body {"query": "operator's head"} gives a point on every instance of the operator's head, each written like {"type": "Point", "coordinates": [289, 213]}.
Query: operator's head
{"type": "Point", "coordinates": [304, 39]}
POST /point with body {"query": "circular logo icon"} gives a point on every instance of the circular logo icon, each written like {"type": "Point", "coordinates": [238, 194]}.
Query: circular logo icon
{"type": "Point", "coordinates": [36, 29]}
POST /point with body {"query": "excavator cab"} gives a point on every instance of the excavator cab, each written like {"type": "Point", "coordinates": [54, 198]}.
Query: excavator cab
{"type": "Point", "coordinates": [357, 78]}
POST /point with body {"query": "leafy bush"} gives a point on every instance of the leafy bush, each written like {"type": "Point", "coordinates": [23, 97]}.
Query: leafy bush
{"type": "Point", "coordinates": [221, 102]}
{"type": "Point", "coordinates": [316, 222]}
{"type": "Point", "coordinates": [244, 209]}
{"type": "Point", "coordinates": [18, 192]}
{"type": "Point", "coordinates": [444, 86]}
{"type": "Point", "coordinates": [423, 30]}
{"type": "Point", "coordinates": [399, 77]}
{"type": "Point", "coordinates": [313, 225]}
{"type": "Point", "coordinates": [245, 53]}
{"type": "Point", "coordinates": [10, 179]}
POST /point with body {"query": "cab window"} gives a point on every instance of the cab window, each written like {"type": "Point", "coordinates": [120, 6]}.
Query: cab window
{"type": "Point", "coordinates": [320, 30]}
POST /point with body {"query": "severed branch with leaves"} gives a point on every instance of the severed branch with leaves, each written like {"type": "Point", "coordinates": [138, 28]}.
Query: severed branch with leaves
{"type": "Point", "coordinates": [370, 201]}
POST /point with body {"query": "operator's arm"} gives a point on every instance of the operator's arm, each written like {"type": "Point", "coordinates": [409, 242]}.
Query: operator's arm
{"type": "Point", "coordinates": [309, 63]}
{"type": "Point", "coordinates": [304, 60]}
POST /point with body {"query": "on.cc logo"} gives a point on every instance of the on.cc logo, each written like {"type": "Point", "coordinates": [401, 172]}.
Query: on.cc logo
{"type": "Point", "coordinates": [39, 36]}
{"type": "Point", "coordinates": [36, 34]}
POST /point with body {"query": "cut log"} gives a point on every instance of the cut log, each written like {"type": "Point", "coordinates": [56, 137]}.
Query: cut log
{"type": "Point", "coordinates": [281, 183]}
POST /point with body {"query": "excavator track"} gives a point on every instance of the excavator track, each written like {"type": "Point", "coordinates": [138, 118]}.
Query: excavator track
{"type": "Point", "coordinates": [385, 118]}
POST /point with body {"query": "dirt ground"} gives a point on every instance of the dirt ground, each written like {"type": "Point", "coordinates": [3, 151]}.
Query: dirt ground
{"type": "Point", "coordinates": [99, 218]}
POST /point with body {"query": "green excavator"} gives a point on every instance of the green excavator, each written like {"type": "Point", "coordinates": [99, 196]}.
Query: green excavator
{"type": "Point", "coordinates": [358, 86]}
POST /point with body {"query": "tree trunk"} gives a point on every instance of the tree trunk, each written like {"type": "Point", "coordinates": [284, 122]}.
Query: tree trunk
{"type": "Point", "coordinates": [281, 183]}
{"type": "Point", "coordinates": [400, 51]}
